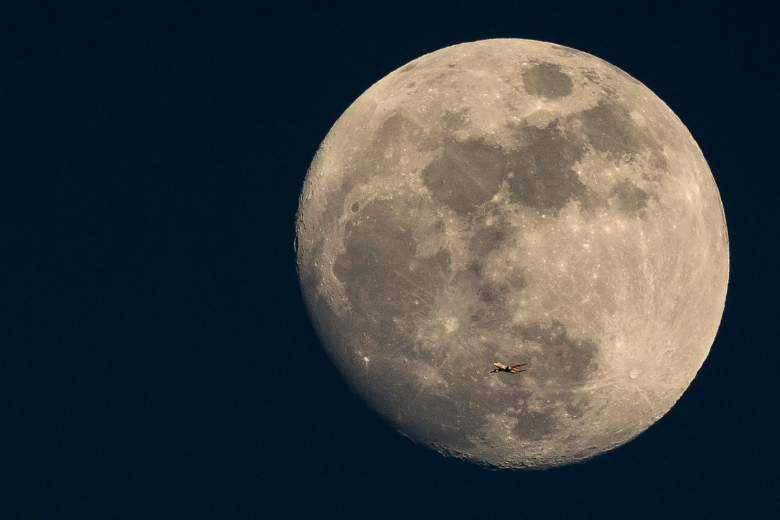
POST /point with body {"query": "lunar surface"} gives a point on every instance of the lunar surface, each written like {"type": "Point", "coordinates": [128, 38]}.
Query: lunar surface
{"type": "Point", "coordinates": [513, 201]}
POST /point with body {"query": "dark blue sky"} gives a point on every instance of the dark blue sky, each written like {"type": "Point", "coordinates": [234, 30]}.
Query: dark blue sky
{"type": "Point", "coordinates": [160, 363]}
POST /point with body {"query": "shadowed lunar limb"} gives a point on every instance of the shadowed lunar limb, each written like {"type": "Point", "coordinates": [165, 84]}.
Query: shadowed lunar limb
{"type": "Point", "coordinates": [513, 200]}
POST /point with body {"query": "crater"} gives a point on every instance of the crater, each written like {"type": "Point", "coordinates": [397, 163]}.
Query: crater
{"type": "Point", "coordinates": [547, 80]}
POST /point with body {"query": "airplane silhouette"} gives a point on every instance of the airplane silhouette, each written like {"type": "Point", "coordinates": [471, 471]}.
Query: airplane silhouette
{"type": "Point", "coordinates": [511, 369]}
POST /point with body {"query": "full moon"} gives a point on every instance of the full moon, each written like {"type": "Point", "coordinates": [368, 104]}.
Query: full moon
{"type": "Point", "coordinates": [513, 201]}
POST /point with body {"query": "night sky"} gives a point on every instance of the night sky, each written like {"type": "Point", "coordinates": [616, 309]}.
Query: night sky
{"type": "Point", "coordinates": [157, 359]}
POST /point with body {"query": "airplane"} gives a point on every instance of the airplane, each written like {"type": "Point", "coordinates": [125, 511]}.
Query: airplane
{"type": "Point", "coordinates": [511, 369]}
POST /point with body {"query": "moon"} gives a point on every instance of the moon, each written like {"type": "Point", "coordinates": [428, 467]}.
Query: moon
{"type": "Point", "coordinates": [513, 201]}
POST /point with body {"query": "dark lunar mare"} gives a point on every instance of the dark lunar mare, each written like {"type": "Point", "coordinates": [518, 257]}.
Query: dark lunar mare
{"type": "Point", "coordinates": [547, 80]}
{"type": "Point", "coordinates": [539, 173]}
